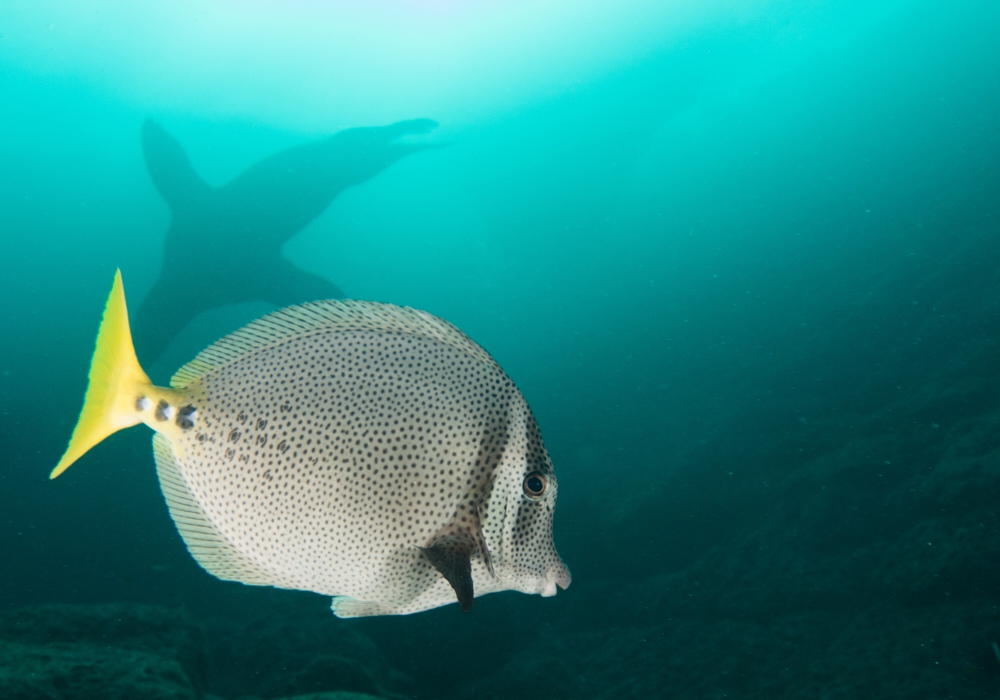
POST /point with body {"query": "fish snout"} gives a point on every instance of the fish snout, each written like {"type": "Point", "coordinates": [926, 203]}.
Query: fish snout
{"type": "Point", "coordinates": [558, 574]}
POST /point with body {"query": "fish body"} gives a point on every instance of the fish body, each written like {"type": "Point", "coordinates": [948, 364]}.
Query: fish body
{"type": "Point", "coordinates": [360, 450]}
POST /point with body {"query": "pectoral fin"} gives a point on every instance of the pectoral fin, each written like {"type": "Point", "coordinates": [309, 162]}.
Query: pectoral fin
{"type": "Point", "coordinates": [451, 555]}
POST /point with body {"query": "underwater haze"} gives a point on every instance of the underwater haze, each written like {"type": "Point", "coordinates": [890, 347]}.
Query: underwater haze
{"type": "Point", "coordinates": [742, 260]}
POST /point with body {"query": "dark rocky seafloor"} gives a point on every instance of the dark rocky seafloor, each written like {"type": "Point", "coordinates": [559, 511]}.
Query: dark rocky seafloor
{"type": "Point", "coordinates": [131, 651]}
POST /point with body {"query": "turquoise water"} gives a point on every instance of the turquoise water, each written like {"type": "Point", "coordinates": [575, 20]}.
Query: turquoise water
{"type": "Point", "coordinates": [742, 260]}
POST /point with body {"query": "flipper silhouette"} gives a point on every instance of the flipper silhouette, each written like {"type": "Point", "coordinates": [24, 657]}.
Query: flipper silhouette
{"type": "Point", "coordinates": [224, 243]}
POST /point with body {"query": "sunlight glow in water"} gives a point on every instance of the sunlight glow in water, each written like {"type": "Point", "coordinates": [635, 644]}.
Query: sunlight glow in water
{"type": "Point", "coordinates": [360, 61]}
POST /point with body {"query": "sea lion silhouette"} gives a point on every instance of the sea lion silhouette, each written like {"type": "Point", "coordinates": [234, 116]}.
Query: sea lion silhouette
{"type": "Point", "coordinates": [224, 243]}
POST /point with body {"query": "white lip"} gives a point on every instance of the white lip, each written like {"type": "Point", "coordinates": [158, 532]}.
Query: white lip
{"type": "Point", "coordinates": [557, 575]}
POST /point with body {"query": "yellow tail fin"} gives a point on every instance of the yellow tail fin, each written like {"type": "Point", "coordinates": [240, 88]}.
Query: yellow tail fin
{"type": "Point", "coordinates": [116, 380]}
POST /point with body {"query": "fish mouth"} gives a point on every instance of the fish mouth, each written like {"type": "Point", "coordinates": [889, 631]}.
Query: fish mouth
{"type": "Point", "coordinates": [557, 575]}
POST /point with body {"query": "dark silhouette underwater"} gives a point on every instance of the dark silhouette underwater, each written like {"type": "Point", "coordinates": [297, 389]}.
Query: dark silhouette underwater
{"type": "Point", "coordinates": [224, 243]}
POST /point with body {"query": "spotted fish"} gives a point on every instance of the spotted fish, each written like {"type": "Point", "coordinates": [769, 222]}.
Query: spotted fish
{"type": "Point", "coordinates": [360, 450]}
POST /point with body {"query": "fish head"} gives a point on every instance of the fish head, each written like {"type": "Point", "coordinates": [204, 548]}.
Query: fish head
{"type": "Point", "coordinates": [518, 515]}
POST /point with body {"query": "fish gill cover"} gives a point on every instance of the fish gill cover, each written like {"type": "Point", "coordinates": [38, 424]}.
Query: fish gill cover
{"type": "Point", "coordinates": [741, 260]}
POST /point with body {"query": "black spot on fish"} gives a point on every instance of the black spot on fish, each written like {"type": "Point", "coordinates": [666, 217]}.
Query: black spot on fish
{"type": "Point", "coordinates": [186, 417]}
{"type": "Point", "coordinates": [162, 409]}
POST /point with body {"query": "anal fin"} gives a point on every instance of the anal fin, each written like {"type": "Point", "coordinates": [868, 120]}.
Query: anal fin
{"type": "Point", "coordinates": [451, 555]}
{"type": "Point", "coordinates": [206, 544]}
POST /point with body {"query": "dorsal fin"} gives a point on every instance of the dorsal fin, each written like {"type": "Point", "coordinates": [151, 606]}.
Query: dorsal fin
{"type": "Point", "coordinates": [319, 316]}
{"type": "Point", "coordinates": [170, 169]}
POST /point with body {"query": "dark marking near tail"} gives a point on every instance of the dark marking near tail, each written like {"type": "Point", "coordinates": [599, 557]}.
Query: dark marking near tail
{"type": "Point", "coordinates": [161, 410]}
{"type": "Point", "coordinates": [185, 417]}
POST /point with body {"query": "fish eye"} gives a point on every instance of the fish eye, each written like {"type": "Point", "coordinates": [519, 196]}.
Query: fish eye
{"type": "Point", "coordinates": [535, 485]}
